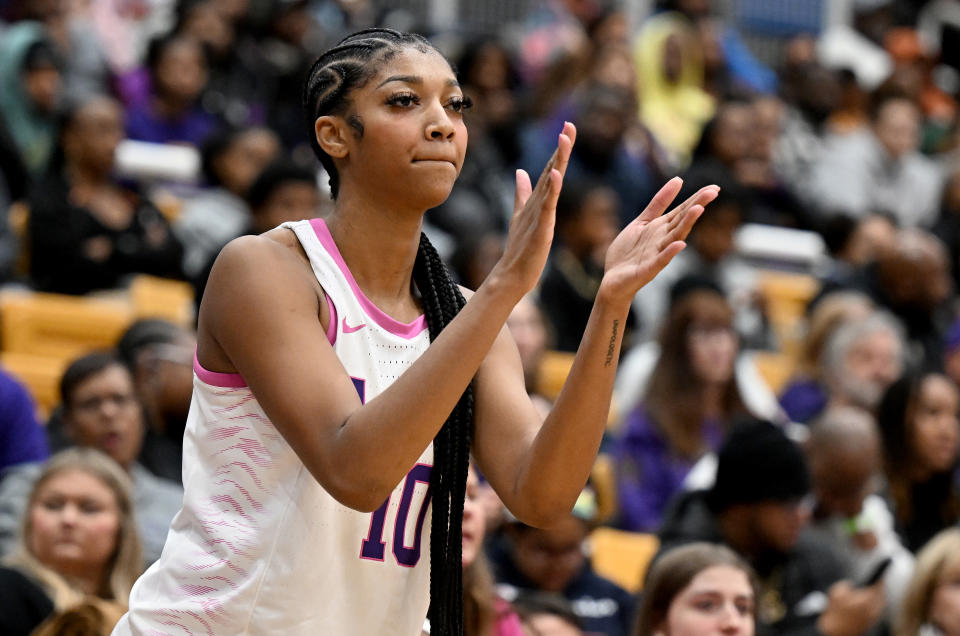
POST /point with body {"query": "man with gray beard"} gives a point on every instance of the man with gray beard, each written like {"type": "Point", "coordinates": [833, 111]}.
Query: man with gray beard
{"type": "Point", "coordinates": [862, 359]}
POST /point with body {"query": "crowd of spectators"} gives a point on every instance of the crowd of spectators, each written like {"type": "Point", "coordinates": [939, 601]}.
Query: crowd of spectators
{"type": "Point", "coordinates": [832, 501]}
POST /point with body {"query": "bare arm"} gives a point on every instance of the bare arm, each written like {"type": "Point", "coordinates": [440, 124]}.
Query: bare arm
{"type": "Point", "coordinates": [537, 470]}
{"type": "Point", "coordinates": [262, 309]}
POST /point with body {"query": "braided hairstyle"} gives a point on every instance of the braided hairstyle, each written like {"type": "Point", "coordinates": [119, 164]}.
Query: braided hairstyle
{"type": "Point", "coordinates": [345, 67]}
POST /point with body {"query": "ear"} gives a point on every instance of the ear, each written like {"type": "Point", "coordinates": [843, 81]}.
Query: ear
{"type": "Point", "coordinates": [331, 132]}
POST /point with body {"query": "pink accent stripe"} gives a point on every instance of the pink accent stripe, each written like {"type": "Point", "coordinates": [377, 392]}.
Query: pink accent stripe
{"type": "Point", "coordinates": [404, 330]}
{"type": "Point", "coordinates": [332, 327]}
{"type": "Point", "coordinates": [227, 380]}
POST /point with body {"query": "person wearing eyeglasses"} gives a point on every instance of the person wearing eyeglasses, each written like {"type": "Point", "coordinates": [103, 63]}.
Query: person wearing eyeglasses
{"type": "Point", "coordinates": [100, 409]}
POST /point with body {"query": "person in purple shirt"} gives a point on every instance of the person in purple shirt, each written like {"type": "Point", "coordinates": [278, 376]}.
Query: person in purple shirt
{"type": "Point", "coordinates": [690, 398]}
{"type": "Point", "coordinates": [22, 438]}
{"type": "Point", "coordinates": [171, 112]}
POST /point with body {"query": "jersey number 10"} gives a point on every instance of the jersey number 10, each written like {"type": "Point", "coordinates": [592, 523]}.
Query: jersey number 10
{"type": "Point", "coordinates": [373, 547]}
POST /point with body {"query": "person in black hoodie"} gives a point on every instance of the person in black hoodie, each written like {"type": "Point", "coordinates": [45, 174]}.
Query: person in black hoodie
{"type": "Point", "coordinates": [758, 507]}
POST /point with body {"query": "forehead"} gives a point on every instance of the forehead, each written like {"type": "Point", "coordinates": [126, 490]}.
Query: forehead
{"type": "Point", "coordinates": [411, 61]}
{"type": "Point", "coordinates": [74, 482]}
{"type": "Point", "coordinates": [721, 578]}
{"type": "Point", "coordinates": [112, 378]}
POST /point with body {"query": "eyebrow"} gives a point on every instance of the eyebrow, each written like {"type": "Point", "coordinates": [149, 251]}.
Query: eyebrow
{"type": "Point", "coordinates": [412, 79]}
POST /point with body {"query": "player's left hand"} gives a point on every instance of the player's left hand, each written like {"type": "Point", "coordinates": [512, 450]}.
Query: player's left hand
{"type": "Point", "coordinates": [651, 240]}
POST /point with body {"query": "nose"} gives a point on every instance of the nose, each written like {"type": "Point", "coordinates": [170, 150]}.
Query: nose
{"type": "Point", "coordinates": [731, 621]}
{"type": "Point", "coordinates": [68, 515]}
{"type": "Point", "coordinates": [439, 126]}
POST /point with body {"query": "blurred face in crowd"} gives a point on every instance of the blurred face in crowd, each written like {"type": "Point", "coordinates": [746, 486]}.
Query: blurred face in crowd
{"type": "Point", "coordinates": [869, 367]}
{"type": "Point", "coordinates": [473, 520]}
{"type": "Point", "coordinates": [181, 72]}
{"type": "Point", "coordinates": [776, 525]}
{"type": "Point", "coordinates": [733, 132]}
{"type": "Point", "coordinates": [290, 201]}
{"type": "Point", "coordinates": [872, 235]}
{"type": "Point", "coordinates": [104, 413]}
{"type": "Point", "coordinates": [897, 127]}
{"type": "Point", "coordinates": [165, 377]}
{"type": "Point", "coordinates": [550, 558]}
{"type": "Point", "coordinates": [713, 235]}
{"type": "Point", "coordinates": [94, 134]}
{"type": "Point", "coordinates": [713, 351]}
{"type": "Point", "coordinates": [243, 160]}
{"type": "Point", "coordinates": [935, 428]}
{"type": "Point", "coordinates": [74, 522]}
{"type": "Point", "coordinates": [590, 232]}
{"type": "Point", "coordinates": [529, 332]}
{"type": "Point", "coordinates": [718, 601]}
{"type": "Point", "coordinates": [945, 604]}
{"type": "Point", "coordinates": [208, 25]}
{"type": "Point", "coordinates": [42, 87]}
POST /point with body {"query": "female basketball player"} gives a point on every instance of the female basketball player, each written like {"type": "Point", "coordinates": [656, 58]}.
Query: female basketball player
{"type": "Point", "coordinates": [330, 409]}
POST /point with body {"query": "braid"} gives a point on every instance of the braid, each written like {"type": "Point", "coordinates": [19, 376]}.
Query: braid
{"type": "Point", "coordinates": [334, 75]}
{"type": "Point", "coordinates": [451, 456]}
{"type": "Point", "coordinates": [340, 70]}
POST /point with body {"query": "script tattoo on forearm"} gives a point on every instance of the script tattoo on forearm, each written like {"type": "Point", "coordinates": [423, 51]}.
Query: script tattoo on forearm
{"type": "Point", "coordinates": [613, 343]}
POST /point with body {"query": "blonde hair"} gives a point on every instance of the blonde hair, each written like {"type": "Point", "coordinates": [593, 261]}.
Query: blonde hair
{"type": "Point", "coordinates": [942, 551]}
{"type": "Point", "coordinates": [126, 563]}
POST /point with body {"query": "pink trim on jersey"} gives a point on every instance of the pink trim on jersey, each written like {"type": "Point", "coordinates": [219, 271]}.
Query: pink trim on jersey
{"type": "Point", "coordinates": [332, 327]}
{"type": "Point", "coordinates": [226, 380]}
{"type": "Point", "coordinates": [404, 330]}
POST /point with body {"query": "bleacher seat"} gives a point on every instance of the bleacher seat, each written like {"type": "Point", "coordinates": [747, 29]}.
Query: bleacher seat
{"type": "Point", "coordinates": [622, 556]}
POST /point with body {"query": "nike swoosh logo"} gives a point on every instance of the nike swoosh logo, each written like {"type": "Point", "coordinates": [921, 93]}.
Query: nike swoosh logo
{"type": "Point", "coordinates": [348, 329]}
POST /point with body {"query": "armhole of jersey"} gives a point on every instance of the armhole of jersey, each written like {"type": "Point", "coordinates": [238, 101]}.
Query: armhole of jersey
{"type": "Point", "coordinates": [332, 327]}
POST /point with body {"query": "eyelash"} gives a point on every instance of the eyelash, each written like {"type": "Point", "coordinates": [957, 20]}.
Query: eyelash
{"type": "Point", "coordinates": [403, 100]}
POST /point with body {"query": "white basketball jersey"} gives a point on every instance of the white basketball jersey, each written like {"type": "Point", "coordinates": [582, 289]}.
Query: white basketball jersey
{"type": "Point", "coordinates": [259, 547]}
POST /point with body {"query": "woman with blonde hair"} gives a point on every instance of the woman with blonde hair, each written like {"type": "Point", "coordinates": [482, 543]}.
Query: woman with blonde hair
{"type": "Point", "coordinates": [931, 606]}
{"type": "Point", "coordinates": [78, 541]}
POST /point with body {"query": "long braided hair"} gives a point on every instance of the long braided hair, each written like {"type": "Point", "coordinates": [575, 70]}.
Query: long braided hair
{"type": "Point", "coordinates": [345, 67]}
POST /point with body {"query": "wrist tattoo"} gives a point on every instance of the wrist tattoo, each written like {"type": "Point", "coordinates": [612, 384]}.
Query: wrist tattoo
{"type": "Point", "coordinates": [613, 343]}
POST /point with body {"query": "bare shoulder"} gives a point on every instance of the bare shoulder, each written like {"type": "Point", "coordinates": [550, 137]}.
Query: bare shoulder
{"type": "Point", "coordinates": [253, 274]}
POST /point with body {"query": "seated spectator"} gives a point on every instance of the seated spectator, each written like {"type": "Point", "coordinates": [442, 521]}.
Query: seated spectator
{"type": "Point", "coordinates": [880, 169]}
{"type": "Point", "coordinates": [553, 560]}
{"type": "Point", "coordinates": [546, 614]}
{"type": "Point", "coordinates": [861, 359]}
{"type": "Point", "coordinates": [30, 82]}
{"type": "Point", "coordinates": [932, 603]}
{"type": "Point", "coordinates": [688, 403]}
{"type": "Point", "coordinates": [805, 395]}
{"type": "Point", "coordinates": [845, 456]}
{"type": "Point", "coordinates": [485, 614]}
{"type": "Point", "coordinates": [758, 507]}
{"type": "Point", "coordinates": [171, 112]}
{"type": "Point", "coordinates": [282, 192]}
{"type": "Point", "coordinates": [912, 280]}
{"type": "Point", "coordinates": [87, 231]}
{"type": "Point", "coordinates": [78, 540]}
{"type": "Point", "coordinates": [22, 438]}
{"type": "Point", "coordinates": [159, 355]}
{"type": "Point", "coordinates": [232, 160]}
{"type": "Point", "coordinates": [101, 411]}
{"type": "Point", "coordinates": [586, 225]}
{"type": "Point", "coordinates": [921, 442]}
{"type": "Point", "coordinates": [673, 101]}
{"type": "Point", "coordinates": [701, 589]}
